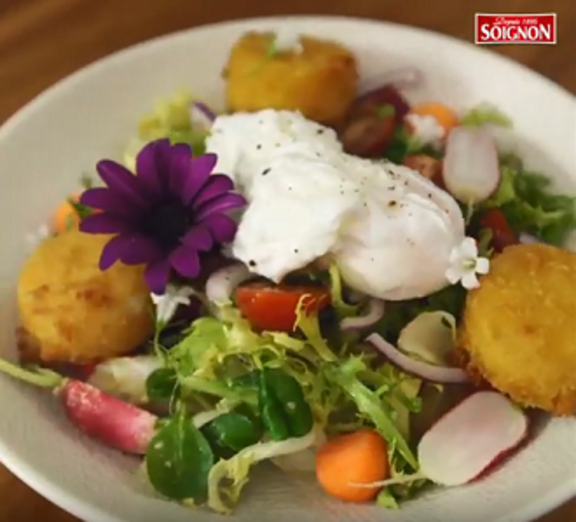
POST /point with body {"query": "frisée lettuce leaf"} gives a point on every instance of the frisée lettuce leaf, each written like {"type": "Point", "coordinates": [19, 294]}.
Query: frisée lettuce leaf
{"type": "Point", "coordinates": [530, 205]}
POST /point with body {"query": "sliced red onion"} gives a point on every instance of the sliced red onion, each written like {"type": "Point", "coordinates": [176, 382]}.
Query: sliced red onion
{"type": "Point", "coordinates": [401, 78]}
{"type": "Point", "coordinates": [201, 114]}
{"type": "Point", "coordinates": [424, 370]}
{"type": "Point", "coordinates": [375, 313]}
{"type": "Point", "coordinates": [470, 438]}
{"type": "Point", "coordinates": [471, 171]}
{"type": "Point", "coordinates": [528, 239]}
{"type": "Point", "coordinates": [222, 283]}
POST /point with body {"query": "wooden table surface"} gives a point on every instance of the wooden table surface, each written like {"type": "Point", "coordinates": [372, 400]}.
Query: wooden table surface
{"type": "Point", "coordinates": [41, 41]}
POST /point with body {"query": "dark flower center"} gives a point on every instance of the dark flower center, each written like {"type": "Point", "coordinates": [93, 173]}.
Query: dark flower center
{"type": "Point", "coordinates": [167, 224]}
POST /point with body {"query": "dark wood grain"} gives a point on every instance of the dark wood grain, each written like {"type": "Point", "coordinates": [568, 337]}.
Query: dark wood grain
{"type": "Point", "coordinates": [41, 41]}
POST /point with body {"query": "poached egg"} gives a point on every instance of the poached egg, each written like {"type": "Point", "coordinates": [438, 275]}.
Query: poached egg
{"type": "Point", "coordinates": [389, 230]}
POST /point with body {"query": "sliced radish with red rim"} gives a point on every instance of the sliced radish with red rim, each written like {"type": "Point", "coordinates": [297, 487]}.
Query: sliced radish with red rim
{"type": "Point", "coordinates": [471, 438]}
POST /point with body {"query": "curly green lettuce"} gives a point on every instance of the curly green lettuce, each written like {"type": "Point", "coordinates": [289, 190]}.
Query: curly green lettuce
{"type": "Point", "coordinates": [531, 205]}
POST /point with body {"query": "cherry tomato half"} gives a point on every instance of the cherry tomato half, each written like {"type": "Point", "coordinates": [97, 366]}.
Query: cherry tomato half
{"type": "Point", "coordinates": [274, 307]}
{"type": "Point", "coordinates": [502, 234]}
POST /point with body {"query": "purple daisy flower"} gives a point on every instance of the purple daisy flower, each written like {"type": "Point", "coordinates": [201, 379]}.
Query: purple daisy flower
{"type": "Point", "coordinates": [166, 215]}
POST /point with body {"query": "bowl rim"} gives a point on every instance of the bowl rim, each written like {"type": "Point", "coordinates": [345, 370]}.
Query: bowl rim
{"type": "Point", "coordinates": [60, 497]}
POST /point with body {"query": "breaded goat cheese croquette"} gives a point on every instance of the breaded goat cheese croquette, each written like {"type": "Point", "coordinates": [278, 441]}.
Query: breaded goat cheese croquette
{"type": "Point", "coordinates": [519, 328]}
{"type": "Point", "coordinates": [71, 311]}
{"type": "Point", "coordinates": [320, 80]}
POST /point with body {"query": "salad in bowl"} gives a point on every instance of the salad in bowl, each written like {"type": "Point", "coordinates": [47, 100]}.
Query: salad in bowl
{"type": "Point", "coordinates": [334, 279]}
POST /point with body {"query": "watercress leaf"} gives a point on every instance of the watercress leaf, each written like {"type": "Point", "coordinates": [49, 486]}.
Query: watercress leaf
{"type": "Point", "coordinates": [271, 410]}
{"type": "Point", "coordinates": [161, 384]}
{"type": "Point", "coordinates": [289, 394]}
{"type": "Point", "coordinates": [179, 460]}
{"type": "Point", "coordinates": [231, 432]}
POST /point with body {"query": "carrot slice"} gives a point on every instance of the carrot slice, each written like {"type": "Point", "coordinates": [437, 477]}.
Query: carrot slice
{"type": "Point", "coordinates": [446, 116]}
{"type": "Point", "coordinates": [344, 462]}
{"type": "Point", "coordinates": [65, 217]}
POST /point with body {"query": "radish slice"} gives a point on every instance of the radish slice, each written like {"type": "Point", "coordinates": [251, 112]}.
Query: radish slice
{"type": "Point", "coordinates": [222, 283]}
{"type": "Point", "coordinates": [471, 437]}
{"type": "Point", "coordinates": [201, 115]}
{"type": "Point", "coordinates": [430, 336]}
{"type": "Point", "coordinates": [424, 370]}
{"type": "Point", "coordinates": [125, 377]}
{"type": "Point", "coordinates": [401, 78]}
{"type": "Point", "coordinates": [471, 168]}
{"type": "Point", "coordinates": [375, 313]}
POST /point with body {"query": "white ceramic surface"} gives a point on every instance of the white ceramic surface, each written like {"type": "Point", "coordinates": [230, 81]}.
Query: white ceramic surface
{"type": "Point", "coordinates": [51, 142]}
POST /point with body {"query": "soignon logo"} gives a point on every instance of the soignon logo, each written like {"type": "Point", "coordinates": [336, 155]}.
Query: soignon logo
{"type": "Point", "coordinates": [515, 28]}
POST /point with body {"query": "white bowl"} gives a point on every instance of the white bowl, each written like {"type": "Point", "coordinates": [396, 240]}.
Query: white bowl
{"type": "Point", "coordinates": [65, 131]}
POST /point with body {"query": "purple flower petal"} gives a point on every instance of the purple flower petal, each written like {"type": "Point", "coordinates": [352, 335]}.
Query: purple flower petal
{"type": "Point", "coordinates": [105, 224]}
{"type": "Point", "coordinates": [152, 164]}
{"type": "Point", "coordinates": [186, 262]}
{"type": "Point", "coordinates": [110, 202]}
{"type": "Point", "coordinates": [141, 250]}
{"type": "Point", "coordinates": [180, 161]}
{"type": "Point", "coordinates": [123, 182]}
{"type": "Point", "coordinates": [157, 275]}
{"type": "Point", "coordinates": [113, 251]}
{"type": "Point", "coordinates": [217, 185]}
{"type": "Point", "coordinates": [198, 174]}
{"type": "Point", "coordinates": [220, 204]}
{"type": "Point", "coordinates": [199, 238]}
{"type": "Point", "coordinates": [221, 227]}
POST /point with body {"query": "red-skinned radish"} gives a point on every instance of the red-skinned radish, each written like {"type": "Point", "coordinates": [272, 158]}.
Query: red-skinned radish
{"type": "Point", "coordinates": [113, 422]}
{"type": "Point", "coordinates": [470, 438]}
{"type": "Point", "coordinates": [471, 171]}
{"type": "Point", "coordinates": [109, 420]}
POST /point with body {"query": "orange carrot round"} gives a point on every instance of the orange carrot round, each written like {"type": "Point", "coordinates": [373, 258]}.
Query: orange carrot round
{"type": "Point", "coordinates": [65, 216]}
{"type": "Point", "coordinates": [347, 460]}
{"type": "Point", "coordinates": [445, 115]}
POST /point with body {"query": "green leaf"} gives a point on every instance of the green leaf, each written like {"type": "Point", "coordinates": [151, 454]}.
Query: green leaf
{"type": "Point", "coordinates": [386, 499]}
{"type": "Point", "coordinates": [485, 115]}
{"type": "Point", "coordinates": [368, 402]}
{"type": "Point", "coordinates": [308, 323]}
{"type": "Point", "coordinates": [385, 111]}
{"type": "Point", "coordinates": [82, 211]}
{"type": "Point", "coordinates": [179, 460]}
{"type": "Point", "coordinates": [288, 393]}
{"type": "Point", "coordinates": [530, 206]}
{"type": "Point", "coordinates": [343, 308]}
{"type": "Point", "coordinates": [236, 469]}
{"type": "Point", "coordinates": [161, 384]}
{"type": "Point", "coordinates": [271, 410]}
{"type": "Point", "coordinates": [403, 144]}
{"type": "Point", "coordinates": [450, 299]}
{"type": "Point", "coordinates": [230, 433]}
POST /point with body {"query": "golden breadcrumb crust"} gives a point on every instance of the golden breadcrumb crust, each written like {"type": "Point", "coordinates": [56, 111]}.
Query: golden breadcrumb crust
{"type": "Point", "coordinates": [320, 82]}
{"type": "Point", "coordinates": [70, 311]}
{"type": "Point", "coordinates": [519, 327]}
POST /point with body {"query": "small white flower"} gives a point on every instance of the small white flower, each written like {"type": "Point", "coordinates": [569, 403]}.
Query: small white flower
{"type": "Point", "coordinates": [287, 40]}
{"type": "Point", "coordinates": [35, 238]}
{"type": "Point", "coordinates": [465, 264]}
{"type": "Point", "coordinates": [425, 129]}
{"type": "Point", "coordinates": [168, 303]}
